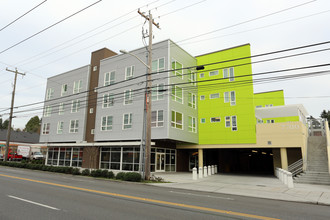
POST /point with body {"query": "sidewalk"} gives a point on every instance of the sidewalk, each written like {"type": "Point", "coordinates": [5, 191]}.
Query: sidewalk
{"type": "Point", "coordinates": [253, 186]}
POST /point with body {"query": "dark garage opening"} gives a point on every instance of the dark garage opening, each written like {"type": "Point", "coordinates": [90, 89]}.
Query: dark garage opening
{"type": "Point", "coordinates": [245, 161]}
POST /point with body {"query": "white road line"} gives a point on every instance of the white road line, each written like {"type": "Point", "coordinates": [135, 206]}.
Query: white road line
{"type": "Point", "coordinates": [216, 197]}
{"type": "Point", "coordinates": [35, 203]}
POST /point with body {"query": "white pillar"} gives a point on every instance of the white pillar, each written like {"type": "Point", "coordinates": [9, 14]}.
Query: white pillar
{"type": "Point", "coordinates": [205, 171]}
{"type": "Point", "coordinates": [290, 180]}
{"type": "Point", "coordinates": [209, 172]}
{"type": "Point", "coordinates": [194, 173]}
{"type": "Point", "coordinates": [200, 172]}
{"type": "Point", "coordinates": [285, 177]}
{"type": "Point", "coordinates": [212, 170]}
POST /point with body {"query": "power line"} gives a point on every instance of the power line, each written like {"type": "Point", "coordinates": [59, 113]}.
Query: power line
{"type": "Point", "coordinates": [22, 15]}
{"type": "Point", "coordinates": [39, 32]}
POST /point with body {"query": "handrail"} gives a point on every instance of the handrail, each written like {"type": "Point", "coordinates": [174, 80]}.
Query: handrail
{"type": "Point", "coordinates": [296, 167]}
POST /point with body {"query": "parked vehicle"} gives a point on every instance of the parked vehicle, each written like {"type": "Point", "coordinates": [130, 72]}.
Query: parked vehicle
{"type": "Point", "coordinates": [31, 153]}
{"type": "Point", "coordinates": [12, 155]}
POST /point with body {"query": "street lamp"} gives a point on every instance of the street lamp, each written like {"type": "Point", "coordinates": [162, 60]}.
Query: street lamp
{"type": "Point", "coordinates": [146, 133]}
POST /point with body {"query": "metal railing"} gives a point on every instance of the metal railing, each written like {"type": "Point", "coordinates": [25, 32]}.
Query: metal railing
{"type": "Point", "coordinates": [316, 127]}
{"type": "Point", "coordinates": [296, 167]}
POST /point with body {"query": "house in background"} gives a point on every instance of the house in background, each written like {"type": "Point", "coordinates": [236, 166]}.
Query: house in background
{"type": "Point", "coordinates": [93, 115]}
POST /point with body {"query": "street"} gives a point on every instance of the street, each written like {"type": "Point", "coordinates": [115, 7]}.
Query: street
{"type": "Point", "coordinates": [26, 194]}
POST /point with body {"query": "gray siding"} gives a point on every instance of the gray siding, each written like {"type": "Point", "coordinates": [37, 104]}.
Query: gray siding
{"type": "Point", "coordinates": [56, 83]}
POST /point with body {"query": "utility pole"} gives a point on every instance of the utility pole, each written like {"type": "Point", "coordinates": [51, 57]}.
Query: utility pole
{"type": "Point", "coordinates": [148, 96]}
{"type": "Point", "coordinates": [11, 111]}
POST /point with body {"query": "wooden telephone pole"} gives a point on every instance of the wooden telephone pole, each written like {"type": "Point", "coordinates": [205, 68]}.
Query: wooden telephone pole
{"type": "Point", "coordinates": [148, 100]}
{"type": "Point", "coordinates": [11, 111]}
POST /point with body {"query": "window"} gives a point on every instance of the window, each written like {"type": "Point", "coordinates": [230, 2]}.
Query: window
{"type": "Point", "coordinates": [129, 73]}
{"type": "Point", "coordinates": [106, 123]}
{"type": "Point", "coordinates": [75, 106]}
{"type": "Point", "coordinates": [227, 118]}
{"type": "Point", "coordinates": [128, 98]}
{"type": "Point", "coordinates": [49, 93]}
{"type": "Point", "coordinates": [203, 120]}
{"type": "Point", "coordinates": [157, 92]}
{"type": "Point", "coordinates": [74, 126]}
{"type": "Point", "coordinates": [259, 106]}
{"type": "Point", "coordinates": [61, 109]}
{"type": "Point", "coordinates": [127, 118]}
{"type": "Point", "coordinates": [60, 127]}
{"type": "Point", "coordinates": [201, 75]}
{"type": "Point", "coordinates": [202, 97]}
{"type": "Point", "coordinates": [64, 89]}
{"type": "Point", "coordinates": [225, 73]}
{"type": "Point", "coordinates": [271, 121]}
{"type": "Point", "coordinates": [259, 121]}
{"type": "Point", "coordinates": [45, 128]}
{"type": "Point", "coordinates": [65, 156]}
{"type": "Point", "coordinates": [214, 73]}
{"type": "Point", "coordinates": [232, 98]}
{"type": "Point", "coordinates": [77, 85]}
{"type": "Point", "coordinates": [178, 68]}
{"type": "Point", "coordinates": [214, 96]}
{"type": "Point", "coordinates": [192, 78]}
{"type": "Point", "coordinates": [177, 120]}
{"type": "Point", "coordinates": [177, 94]}
{"type": "Point", "coordinates": [215, 119]}
{"type": "Point", "coordinates": [233, 123]}
{"type": "Point", "coordinates": [231, 74]}
{"type": "Point", "coordinates": [270, 105]}
{"type": "Point", "coordinates": [192, 124]}
{"type": "Point", "coordinates": [226, 97]}
{"type": "Point", "coordinates": [108, 100]}
{"type": "Point", "coordinates": [157, 118]}
{"type": "Point", "coordinates": [191, 100]}
{"type": "Point", "coordinates": [48, 111]}
{"type": "Point", "coordinates": [109, 78]}
{"type": "Point", "coordinates": [158, 65]}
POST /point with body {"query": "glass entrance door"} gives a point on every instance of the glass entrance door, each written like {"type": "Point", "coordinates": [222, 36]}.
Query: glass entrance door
{"type": "Point", "coordinates": [160, 162]}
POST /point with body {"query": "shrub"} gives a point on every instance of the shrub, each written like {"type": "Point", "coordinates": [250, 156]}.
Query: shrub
{"type": "Point", "coordinates": [105, 173]}
{"type": "Point", "coordinates": [85, 172]}
{"type": "Point", "coordinates": [120, 176]}
{"type": "Point", "coordinates": [76, 171]}
{"type": "Point", "coordinates": [96, 173]}
{"type": "Point", "coordinates": [111, 175]}
{"type": "Point", "coordinates": [133, 177]}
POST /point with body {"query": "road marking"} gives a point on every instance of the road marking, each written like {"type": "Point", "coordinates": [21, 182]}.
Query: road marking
{"type": "Point", "coordinates": [192, 194]}
{"type": "Point", "coordinates": [35, 203]}
{"type": "Point", "coordinates": [200, 208]}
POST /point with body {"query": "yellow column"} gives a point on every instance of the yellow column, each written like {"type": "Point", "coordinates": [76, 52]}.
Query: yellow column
{"type": "Point", "coordinates": [284, 159]}
{"type": "Point", "coordinates": [200, 157]}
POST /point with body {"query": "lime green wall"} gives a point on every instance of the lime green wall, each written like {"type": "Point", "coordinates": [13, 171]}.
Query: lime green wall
{"type": "Point", "coordinates": [282, 119]}
{"type": "Point", "coordinates": [217, 133]}
{"type": "Point", "coordinates": [276, 98]}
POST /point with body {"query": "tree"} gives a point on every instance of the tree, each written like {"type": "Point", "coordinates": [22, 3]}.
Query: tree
{"type": "Point", "coordinates": [5, 124]}
{"type": "Point", "coordinates": [1, 123]}
{"type": "Point", "coordinates": [326, 115]}
{"type": "Point", "coordinates": [33, 125]}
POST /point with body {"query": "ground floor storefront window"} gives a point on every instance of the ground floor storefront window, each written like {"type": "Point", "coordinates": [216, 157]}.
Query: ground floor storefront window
{"type": "Point", "coordinates": [127, 159]}
{"type": "Point", "coordinates": [65, 156]}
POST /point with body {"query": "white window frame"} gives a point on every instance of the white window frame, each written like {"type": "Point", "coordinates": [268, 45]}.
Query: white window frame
{"type": "Point", "coordinates": [201, 75]}
{"type": "Point", "coordinates": [214, 73]}
{"type": "Point", "coordinates": [49, 93]}
{"type": "Point", "coordinates": [202, 97]}
{"type": "Point", "coordinates": [60, 127]}
{"type": "Point", "coordinates": [174, 123]}
{"type": "Point", "coordinates": [107, 126]}
{"type": "Point", "coordinates": [64, 89]}
{"type": "Point", "coordinates": [216, 119]}
{"type": "Point", "coordinates": [108, 100]}
{"type": "Point", "coordinates": [127, 125]}
{"type": "Point", "coordinates": [178, 73]}
{"type": "Point", "coordinates": [215, 96]}
{"type": "Point", "coordinates": [192, 125]}
{"type": "Point", "coordinates": [75, 106]}
{"type": "Point", "coordinates": [157, 92]}
{"type": "Point", "coordinates": [109, 76]}
{"type": "Point", "coordinates": [159, 122]}
{"type": "Point", "coordinates": [192, 100]}
{"type": "Point", "coordinates": [131, 72]}
{"type": "Point", "coordinates": [227, 122]}
{"type": "Point", "coordinates": [129, 99]}
{"type": "Point", "coordinates": [232, 100]}
{"type": "Point", "coordinates": [48, 111]}
{"type": "Point", "coordinates": [203, 120]}
{"type": "Point", "coordinates": [45, 128]}
{"type": "Point", "coordinates": [259, 106]}
{"type": "Point", "coordinates": [175, 96]}
{"type": "Point", "coordinates": [234, 123]}
{"type": "Point", "coordinates": [61, 109]}
{"type": "Point", "coordinates": [74, 128]}
{"type": "Point", "coordinates": [77, 86]}
{"type": "Point", "coordinates": [158, 68]}
{"type": "Point", "coordinates": [226, 97]}
{"type": "Point", "coordinates": [225, 73]}
{"type": "Point", "coordinates": [231, 74]}
{"type": "Point", "coordinates": [192, 78]}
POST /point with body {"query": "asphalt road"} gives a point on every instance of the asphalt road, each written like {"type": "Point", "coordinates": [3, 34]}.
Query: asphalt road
{"type": "Point", "coordinates": [26, 194]}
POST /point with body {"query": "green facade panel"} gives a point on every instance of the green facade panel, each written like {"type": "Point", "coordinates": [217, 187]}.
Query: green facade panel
{"type": "Point", "coordinates": [268, 99]}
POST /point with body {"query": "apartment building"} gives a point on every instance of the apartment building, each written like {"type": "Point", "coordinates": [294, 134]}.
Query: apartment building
{"type": "Point", "coordinates": [93, 115]}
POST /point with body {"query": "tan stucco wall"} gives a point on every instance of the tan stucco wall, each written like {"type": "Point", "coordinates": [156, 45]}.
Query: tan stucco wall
{"type": "Point", "coordinates": [327, 135]}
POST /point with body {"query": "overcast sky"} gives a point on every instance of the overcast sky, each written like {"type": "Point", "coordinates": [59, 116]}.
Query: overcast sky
{"type": "Point", "coordinates": [117, 25]}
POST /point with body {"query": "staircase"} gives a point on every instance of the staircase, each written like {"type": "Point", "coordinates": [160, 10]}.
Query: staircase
{"type": "Point", "coordinates": [317, 171]}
